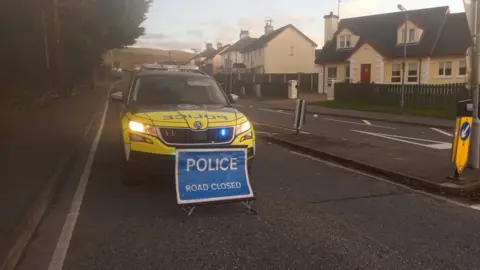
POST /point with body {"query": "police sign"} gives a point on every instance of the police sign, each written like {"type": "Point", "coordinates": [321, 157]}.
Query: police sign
{"type": "Point", "coordinates": [211, 175]}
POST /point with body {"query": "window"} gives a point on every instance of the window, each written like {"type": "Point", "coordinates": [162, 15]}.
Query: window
{"type": "Point", "coordinates": [176, 89]}
{"type": "Point", "coordinates": [412, 72]}
{"type": "Point", "coordinates": [331, 75]}
{"type": "Point", "coordinates": [348, 41]}
{"type": "Point", "coordinates": [345, 41]}
{"type": "Point", "coordinates": [462, 68]}
{"type": "Point", "coordinates": [292, 50]}
{"type": "Point", "coordinates": [347, 72]}
{"type": "Point", "coordinates": [411, 35]}
{"type": "Point", "coordinates": [396, 73]}
{"type": "Point", "coordinates": [445, 69]}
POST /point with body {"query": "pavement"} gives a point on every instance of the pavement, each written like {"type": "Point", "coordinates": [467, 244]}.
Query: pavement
{"type": "Point", "coordinates": [312, 215]}
{"type": "Point", "coordinates": [413, 152]}
{"type": "Point", "coordinates": [38, 145]}
{"type": "Point", "coordinates": [289, 105]}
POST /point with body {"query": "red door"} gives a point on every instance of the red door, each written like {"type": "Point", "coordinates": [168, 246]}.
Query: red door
{"type": "Point", "coordinates": [365, 74]}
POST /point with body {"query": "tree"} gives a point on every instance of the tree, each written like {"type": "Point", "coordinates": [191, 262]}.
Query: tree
{"type": "Point", "coordinates": [87, 30]}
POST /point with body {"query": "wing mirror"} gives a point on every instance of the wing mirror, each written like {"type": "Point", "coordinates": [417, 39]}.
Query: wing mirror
{"type": "Point", "coordinates": [117, 96]}
{"type": "Point", "coordinates": [233, 98]}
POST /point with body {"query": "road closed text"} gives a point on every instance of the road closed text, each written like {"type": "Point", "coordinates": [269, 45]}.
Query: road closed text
{"type": "Point", "coordinates": [210, 164]}
{"type": "Point", "coordinates": [213, 186]}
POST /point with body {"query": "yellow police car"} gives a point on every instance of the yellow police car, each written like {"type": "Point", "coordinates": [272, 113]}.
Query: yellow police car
{"type": "Point", "coordinates": [167, 108]}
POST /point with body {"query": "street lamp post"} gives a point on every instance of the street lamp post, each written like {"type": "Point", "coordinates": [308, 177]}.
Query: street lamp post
{"type": "Point", "coordinates": [402, 97]}
{"type": "Point", "coordinates": [472, 10]}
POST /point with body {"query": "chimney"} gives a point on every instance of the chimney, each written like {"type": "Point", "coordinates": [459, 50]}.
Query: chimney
{"type": "Point", "coordinates": [268, 26]}
{"type": "Point", "coordinates": [331, 26]}
{"type": "Point", "coordinates": [209, 45]}
{"type": "Point", "coordinates": [244, 34]}
{"type": "Point", "coordinates": [219, 45]}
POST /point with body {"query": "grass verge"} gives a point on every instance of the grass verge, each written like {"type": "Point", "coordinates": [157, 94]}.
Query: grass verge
{"type": "Point", "coordinates": [359, 106]}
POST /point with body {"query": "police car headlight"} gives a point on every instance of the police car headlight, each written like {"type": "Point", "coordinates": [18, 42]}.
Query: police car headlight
{"type": "Point", "coordinates": [142, 128]}
{"type": "Point", "coordinates": [245, 126]}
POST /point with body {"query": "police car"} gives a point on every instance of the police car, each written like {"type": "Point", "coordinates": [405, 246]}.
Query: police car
{"type": "Point", "coordinates": [171, 107]}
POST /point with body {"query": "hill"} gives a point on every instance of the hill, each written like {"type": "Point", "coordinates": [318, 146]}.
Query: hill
{"type": "Point", "coordinates": [128, 57]}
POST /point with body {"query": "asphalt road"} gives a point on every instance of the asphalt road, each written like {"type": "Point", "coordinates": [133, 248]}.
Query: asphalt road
{"type": "Point", "coordinates": [377, 133]}
{"type": "Point", "coordinates": [312, 215]}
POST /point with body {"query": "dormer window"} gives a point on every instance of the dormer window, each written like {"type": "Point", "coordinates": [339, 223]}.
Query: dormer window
{"type": "Point", "coordinates": [345, 41]}
{"type": "Point", "coordinates": [411, 35]}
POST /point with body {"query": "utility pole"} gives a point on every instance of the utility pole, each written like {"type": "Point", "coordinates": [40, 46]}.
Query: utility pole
{"type": "Point", "coordinates": [47, 50]}
{"type": "Point", "coordinates": [58, 49]}
{"type": "Point", "coordinates": [402, 97]}
{"type": "Point", "coordinates": [474, 6]}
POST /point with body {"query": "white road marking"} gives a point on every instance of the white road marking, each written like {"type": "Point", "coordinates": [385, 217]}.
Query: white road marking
{"type": "Point", "coordinates": [437, 144]}
{"type": "Point", "coordinates": [367, 122]}
{"type": "Point", "coordinates": [441, 131]}
{"type": "Point", "coordinates": [63, 243]}
{"type": "Point", "coordinates": [475, 206]}
{"type": "Point", "coordinates": [274, 111]}
{"type": "Point", "coordinates": [279, 127]}
{"type": "Point", "coordinates": [262, 132]}
{"type": "Point", "coordinates": [440, 198]}
{"type": "Point", "coordinates": [355, 123]}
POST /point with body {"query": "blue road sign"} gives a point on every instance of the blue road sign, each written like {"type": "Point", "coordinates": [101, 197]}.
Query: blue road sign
{"type": "Point", "coordinates": [211, 175]}
{"type": "Point", "coordinates": [465, 131]}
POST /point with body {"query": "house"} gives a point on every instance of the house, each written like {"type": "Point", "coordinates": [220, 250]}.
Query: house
{"type": "Point", "coordinates": [232, 58]}
{"type": "Point", "coordinates": [285, 50]}
{"type": "Point", "coordinates": [213, 59]}
{"type": "Point", "coordinates": [199, 59]}
{"type": "Point", "coordinates": [370, 49]}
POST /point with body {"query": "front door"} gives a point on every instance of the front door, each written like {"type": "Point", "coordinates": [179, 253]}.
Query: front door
{"type": "Point", "coordinates": [365, 73]}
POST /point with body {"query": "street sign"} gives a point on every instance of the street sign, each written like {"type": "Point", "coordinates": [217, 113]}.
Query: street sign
{"type": "Point", "coordinates": [211, 175]}
{"type": "Point", "coordinates": [461, 142]}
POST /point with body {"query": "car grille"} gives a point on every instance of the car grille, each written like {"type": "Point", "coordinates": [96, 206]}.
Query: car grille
{"type": "Point", "coordinates": [188, 136]}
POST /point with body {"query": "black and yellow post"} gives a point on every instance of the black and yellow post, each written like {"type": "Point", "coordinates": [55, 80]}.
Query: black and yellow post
{"type": "Point", "coordinates": [461, 139]}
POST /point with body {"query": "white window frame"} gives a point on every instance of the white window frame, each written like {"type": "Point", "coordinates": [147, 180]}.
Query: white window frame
{"type": "Point", "coordinates": [345, 41]}
{"type": "Point", "coordinates": [442, 67]}
{"type": "Point", "coordinates": [348, 41]}
{"type": "Point", "coordinates": [464, 65]}
{"type": "Point", "coordinates": [331, 78]}
{"type": "Point", "coordinates": [399, 76]}
{"type": "Point", "coordinates": [411, 36]}
{"type": "Point", "coordinates": [409, 65]}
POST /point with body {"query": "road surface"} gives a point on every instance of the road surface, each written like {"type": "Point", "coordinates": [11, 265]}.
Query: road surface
{"type": "Point", "coordinates": [378, 133]}
{"type": "Point", "coordinates": [312, 215]}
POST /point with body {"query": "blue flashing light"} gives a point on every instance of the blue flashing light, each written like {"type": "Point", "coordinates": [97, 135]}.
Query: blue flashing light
{"type": "Point", "coordinates": [223, 132]}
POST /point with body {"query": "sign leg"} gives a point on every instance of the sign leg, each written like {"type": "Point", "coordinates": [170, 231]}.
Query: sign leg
{"type": "Point", "coordinates": [188, 209]}
{"type": "Point", "coordinates": [248, 204]}
{"type": "Point", "coordinates": [456, 176]}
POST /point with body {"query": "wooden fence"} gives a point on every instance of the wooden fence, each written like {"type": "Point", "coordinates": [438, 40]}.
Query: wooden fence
{"type": "Point", "coordinates": [442, 96]}
{"type": "Point", "coordinates": [307, 82]}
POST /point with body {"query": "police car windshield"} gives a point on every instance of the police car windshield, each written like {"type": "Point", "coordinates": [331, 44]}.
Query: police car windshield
{"type": "Point", "coordinates": [177, 89]}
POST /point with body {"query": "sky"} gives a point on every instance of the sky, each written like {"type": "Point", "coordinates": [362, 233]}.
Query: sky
{"type": "Point", "coordinates": [186, 24]}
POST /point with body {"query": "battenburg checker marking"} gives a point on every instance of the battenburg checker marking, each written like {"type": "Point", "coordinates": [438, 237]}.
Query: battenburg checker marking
{"type": "Point", "coordinates": [212, 175]}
